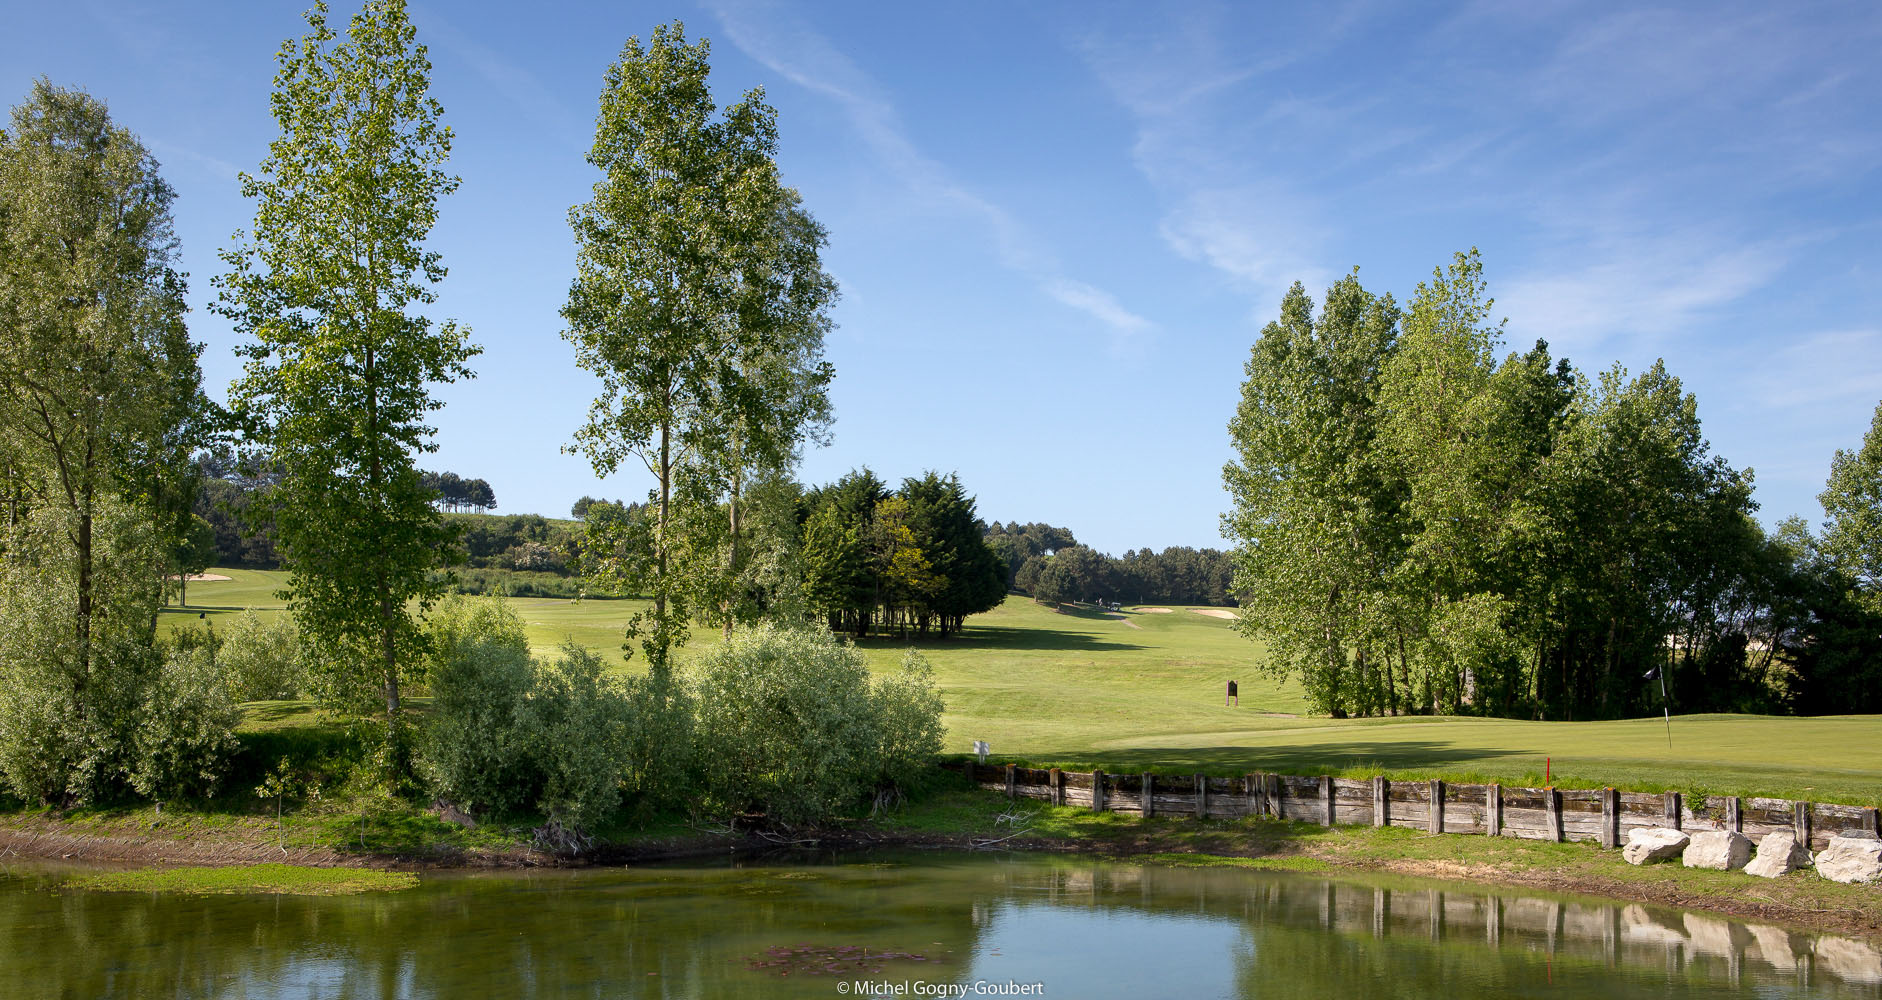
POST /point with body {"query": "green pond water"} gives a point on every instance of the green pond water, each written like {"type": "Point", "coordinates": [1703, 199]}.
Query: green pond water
{"type": "Point", "coordinates": [898, 924]}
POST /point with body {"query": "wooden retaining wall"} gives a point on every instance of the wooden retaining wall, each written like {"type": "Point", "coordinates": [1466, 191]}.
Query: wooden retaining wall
{"type": "Point", "coordinates": [1604, 815]}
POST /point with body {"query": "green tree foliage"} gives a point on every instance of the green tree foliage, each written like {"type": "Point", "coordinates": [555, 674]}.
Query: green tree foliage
{"type": "Point", "coordinates": [261, 659]}
{"type": "Point", "coordinates": [1313, 510]}
{"type": "Point", "coordinates": [337, 382]}
{"type": "Point", "coordinates": [1014, 543]}
{"type": "Point", "coordinates": [97, 373]}
{"type": "Point", "coordinates": [1176, 575]}
{"type": "Point", "coordinates": [99, 394]}
{"type": "Point", "coordinates": [970, 576]}
{"type": "Point", "coordinates": [790, 724]}
{"type": "Point", "coordinates": [700, 302]}
{"type": "Point", "coordinates": [184, 738]}
{"type": "Point", "coordinates": [1852, 502]}
{"type": "Point", "coordinates": [838, 584]}
{"type": "Point", "coordinates": [916, 557]}
{"type": "Point", "coordinates": [191, 554]}
{"type": "Point", "coordinates": [509, 733]}
{"type": "Point", "coordinates": [232, 494]}
{"type": "Point", "coordinates": [1425, 528]}
{"type": "Point", "coordinates": [458, 494]}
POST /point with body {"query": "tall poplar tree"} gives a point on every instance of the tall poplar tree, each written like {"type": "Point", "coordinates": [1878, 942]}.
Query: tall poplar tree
{"type": "Point", "coordinates": [97, 375]}
{"type": "Point", "coordinates": [700, 302]}
{"type": "Point", "coordinates": [337, 381]}
{"type": "Point", "coordinates": [1314, 507]}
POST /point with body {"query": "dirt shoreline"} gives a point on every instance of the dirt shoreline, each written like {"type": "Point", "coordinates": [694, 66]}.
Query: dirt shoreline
{"type": "Point", "coordinates": [44, 840]}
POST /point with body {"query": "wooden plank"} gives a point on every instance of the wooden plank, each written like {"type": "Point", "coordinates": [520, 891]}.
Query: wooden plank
{"type": "Point", "coordinates": [1735, 818]}
{"type": "Point", "coordinates": [1326, 793]}
{"type": "Point", "coordinates": [1554, 799]}
{"type": "Point", "coordinates": [1150, 795]}
{"type": "Point", "coordinates": [1672, 810]}
{"type": "Point", "coordinates": [1434, 812]}
{"type": "Point", "coordinates": [1251, 790]}
{"type": "Point", "coordinates": [1493, 809]}
{"type": "Point", "coordinates": [1012, 781]}
{"type": "Point", "coordinates": [1202, 796]}
{"type": "Point", "coordinates": [1097, 791]}
{"type": "Point", "coordinates": [1056, 782]}
{"type": "Point", "coordinates": [1610, 818]}
{"type": "Point", "coordinates": [1800, 822]}
{"type": "Point", "coordinates": [1870, 821]}
{"type": "Point", "coordinates": [1381, 802]}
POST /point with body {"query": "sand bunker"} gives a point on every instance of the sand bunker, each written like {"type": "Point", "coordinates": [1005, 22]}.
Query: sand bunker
{"type": "Point", "coordinates": [200, 577]}
{"type": "Point", "coordinates": [1216, 612]}
{"type": "Point", "coordinates": [1153, 611]}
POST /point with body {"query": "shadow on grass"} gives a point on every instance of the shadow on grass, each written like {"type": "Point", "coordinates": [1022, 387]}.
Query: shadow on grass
{"type": "Point", "coordinates": [1302, 759]}
{"type": "Point", "coordinates": [996, 637]}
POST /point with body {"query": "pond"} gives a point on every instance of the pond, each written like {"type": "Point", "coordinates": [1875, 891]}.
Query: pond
{"type": "Point", "coordinates": [899, 924]}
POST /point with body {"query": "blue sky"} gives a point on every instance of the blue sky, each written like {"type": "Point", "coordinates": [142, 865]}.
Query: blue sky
{"type": "Point", "coordinates": [1059, 227]}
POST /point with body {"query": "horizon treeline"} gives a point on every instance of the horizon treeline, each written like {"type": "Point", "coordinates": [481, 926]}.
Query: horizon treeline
{"type": "Point", "coordinates": [1048, 564]}
{"type": "Point", "coordinates": [1426, 527]}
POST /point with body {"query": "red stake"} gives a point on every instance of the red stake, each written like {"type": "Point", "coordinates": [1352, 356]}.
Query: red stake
{"type": "Point", "coordinates": [1547, 781]}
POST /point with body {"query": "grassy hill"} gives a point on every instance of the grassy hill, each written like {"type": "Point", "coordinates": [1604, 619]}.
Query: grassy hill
{"type": "Point", "coordinates": [1144, 692]}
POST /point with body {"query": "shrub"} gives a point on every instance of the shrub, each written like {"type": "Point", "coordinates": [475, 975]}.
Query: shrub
{"type": "Point", "coordinates": [473, 749]}
{"type": "Point", "coordinates": [261, 659]}
{"type": "Point", "coordinates": [577, 721]}
{"type": "Point", "coordinates": [790, 724]}
{"type": "Point", "coordinates": [507, 732]}
{"type": "Point", "coordinates": [185, 735]}
{"type": "Point", "coordinates": [68, 717]}
{"type": "Point", "coordinates": [908, 710]}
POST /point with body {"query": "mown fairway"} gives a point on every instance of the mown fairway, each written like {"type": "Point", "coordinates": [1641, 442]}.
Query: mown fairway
{"type": "Point", "coordinates": [1082, 690]}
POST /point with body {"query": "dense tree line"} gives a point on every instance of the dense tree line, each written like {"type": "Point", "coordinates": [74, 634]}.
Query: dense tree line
{"type": "Point", "coordinates": [1426, 527]}
{"type": "Point", "coordinates": [457, 494]}
{"type": "Point", "coordinates": [231, 496]}
{"type": "Point", "coordinates": [1047, 563]}
{"type": "Point", "coordinates": [892, 560]}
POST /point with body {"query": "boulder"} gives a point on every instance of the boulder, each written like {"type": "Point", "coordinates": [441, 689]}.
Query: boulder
{"type": "Point", "coordinates": [1657, 844]}
{"type": "Point", "coordinates": [1779, 853]}
{"type": "Point", "coordinates": [1851, 859]}
{"type": "Point", "coordinates": [1720, 850]}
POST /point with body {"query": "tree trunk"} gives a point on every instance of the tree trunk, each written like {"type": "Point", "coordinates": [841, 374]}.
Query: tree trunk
{"type": "Point", "coordinates": [732, 570]}
{"type": "Point", "coordinates": [375, 481]}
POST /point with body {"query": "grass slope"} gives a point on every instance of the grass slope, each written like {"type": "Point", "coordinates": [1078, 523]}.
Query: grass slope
{"type": "Point", "coordinates": [1080, 690]}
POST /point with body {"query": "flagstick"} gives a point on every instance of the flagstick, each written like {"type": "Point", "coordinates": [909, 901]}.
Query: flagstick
{"type": "Point", "coordinates": [1664, 711]}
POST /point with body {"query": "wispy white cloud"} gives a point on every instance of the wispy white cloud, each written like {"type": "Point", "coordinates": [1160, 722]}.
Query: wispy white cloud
{"type": "Point", "coordinates": [1260, 236]}
{"type": "Point", "coordinates": [806, 58]}
{"type": "Point", "coordinates": [168, 152]}
{"type": "Point", "coordinates": [1830, 368]}
{"type": "Point", "coordinates": [1633, 287]}
{"type": "Point", "coordinates": [516, 84]}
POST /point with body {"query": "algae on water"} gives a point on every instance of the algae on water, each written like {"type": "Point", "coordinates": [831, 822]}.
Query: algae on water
{"type": "Point", "coordinates": [293, 880]}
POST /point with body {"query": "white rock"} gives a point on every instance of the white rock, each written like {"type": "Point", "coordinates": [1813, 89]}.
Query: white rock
{"type": "Point", "coordinates": [1721, 850]}
{"type": "Point", "coordinates": [1656, 844]}
{"type": "Point", "coordinates": [1851, 859]}
{"type": "Point", "coordinates": [1779, 853]}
